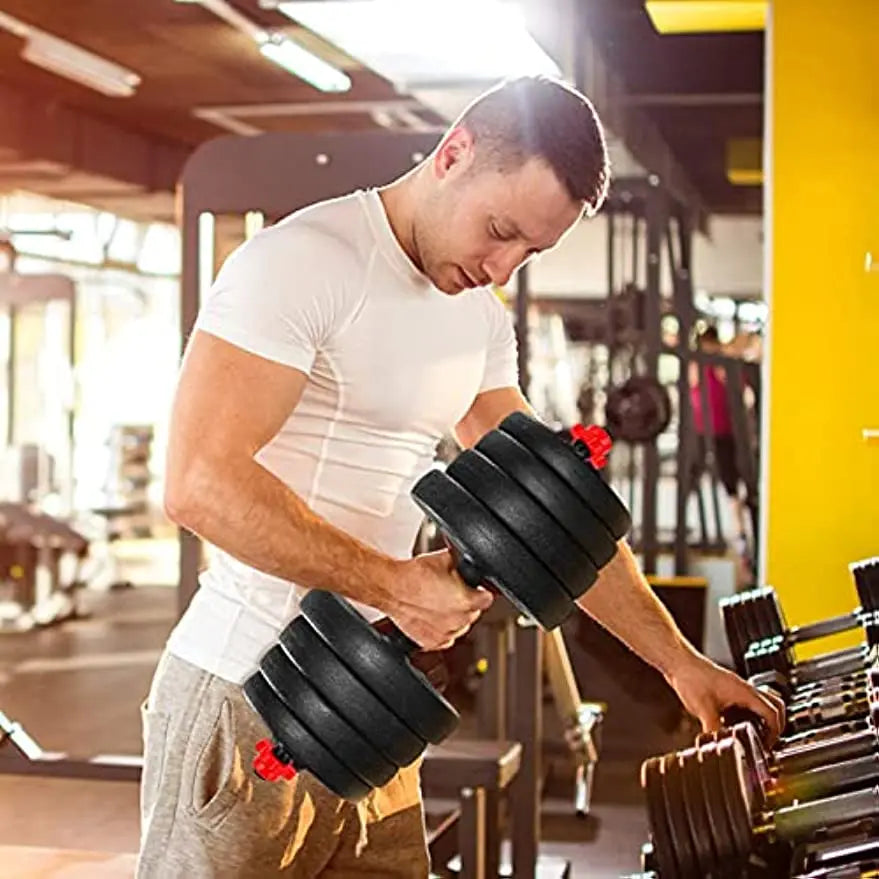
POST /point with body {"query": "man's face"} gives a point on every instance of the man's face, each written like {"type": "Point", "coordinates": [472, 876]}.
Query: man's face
{"type": "Point", "coordinates": [480, 223]}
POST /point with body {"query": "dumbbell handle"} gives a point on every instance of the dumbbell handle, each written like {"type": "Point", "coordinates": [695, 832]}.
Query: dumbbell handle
{"type": "Point", "coordinates": [824, 781]}
{"type": "Point", "coordinates": [467, 571]}
{"type": "Point", "coordinates": [846, 747]}
{"type": "Point", "coordinates": [799, 822]}
{"type": "Point", "coordinates": [823, 628]}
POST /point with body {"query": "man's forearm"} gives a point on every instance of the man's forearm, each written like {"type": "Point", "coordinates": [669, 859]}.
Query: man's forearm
{"type": "Point", "coordinates": [623, 602]}
{"type": "Point", "coordinates": [246, 511]}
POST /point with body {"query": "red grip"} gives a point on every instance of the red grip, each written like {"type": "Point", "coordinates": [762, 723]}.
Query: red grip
{"type": "Point", "coordinates": [596, 439]}
{"type": "Point", "coordinates": [268, 766]}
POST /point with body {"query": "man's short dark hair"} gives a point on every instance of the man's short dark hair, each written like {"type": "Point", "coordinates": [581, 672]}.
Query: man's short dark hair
{"type": "Point", "coordinates": [537, 116]}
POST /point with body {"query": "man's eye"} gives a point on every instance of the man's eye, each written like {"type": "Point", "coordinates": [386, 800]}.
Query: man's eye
{"type": "Point", "coordinates": [496, 233]}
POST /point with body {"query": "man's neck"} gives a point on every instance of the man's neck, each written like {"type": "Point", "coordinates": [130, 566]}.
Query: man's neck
{"type": "Point", "coordinates": [397, 199]}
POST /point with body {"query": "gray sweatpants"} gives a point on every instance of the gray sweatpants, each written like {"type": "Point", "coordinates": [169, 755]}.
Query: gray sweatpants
{"type": "Point", "coordinates": [206, 815]}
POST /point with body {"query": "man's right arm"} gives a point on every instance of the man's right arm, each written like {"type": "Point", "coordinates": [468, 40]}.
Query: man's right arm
{"type": "Point", "coordinates": [229, 403]}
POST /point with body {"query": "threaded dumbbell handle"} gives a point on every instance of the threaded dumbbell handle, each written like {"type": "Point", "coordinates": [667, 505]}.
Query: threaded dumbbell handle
{"type": "Point", "coordinates": [799, 822]}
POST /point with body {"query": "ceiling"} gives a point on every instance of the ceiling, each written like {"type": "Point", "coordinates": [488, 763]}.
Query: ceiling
{"type": "Point", "coordinates": [202, 78]}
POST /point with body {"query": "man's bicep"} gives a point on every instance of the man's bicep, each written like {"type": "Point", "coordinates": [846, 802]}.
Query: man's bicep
{"type": "Point", "coordinates": [229, 401]}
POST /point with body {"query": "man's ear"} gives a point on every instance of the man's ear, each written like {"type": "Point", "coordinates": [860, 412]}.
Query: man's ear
{"type": "Point", "coordinates": [455, 152]}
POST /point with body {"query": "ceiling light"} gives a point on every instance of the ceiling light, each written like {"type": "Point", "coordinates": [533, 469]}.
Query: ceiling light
{"type": "Point", "coordinates": [79, 65]}
{"type": "Point", "coordinates": [392, 38]}
{"type": "Point", "coordinates": [281, 49]}
{"type": "Point", "coordinates": [71, 61]}
{"type": "Point", "coordinates": [302, 63]}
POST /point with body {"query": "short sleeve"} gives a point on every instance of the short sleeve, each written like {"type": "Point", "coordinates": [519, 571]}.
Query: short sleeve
{"type": "Point", "coordinates": [281, 294]}
{"type": "Point", "coordinates": [502, 357]}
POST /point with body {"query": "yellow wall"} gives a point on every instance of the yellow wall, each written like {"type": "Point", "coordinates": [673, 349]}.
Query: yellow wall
{"type": "Point", "coordinates": [821, 486]}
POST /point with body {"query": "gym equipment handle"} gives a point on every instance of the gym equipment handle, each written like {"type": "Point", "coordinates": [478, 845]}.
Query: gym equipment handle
{"type": "Point", "coordinates": [468, 572]}
{"type": "Point", "coordinates": [799, 822]}
{"type": "Point", "coordinates": [847, 747]}
{"type": "Point", "coordinates": [827, 780]}
{"type": "Point", "coordinates": [810, 632]}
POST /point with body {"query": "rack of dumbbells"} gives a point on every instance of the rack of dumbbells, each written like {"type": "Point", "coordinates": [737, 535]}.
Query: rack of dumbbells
{"type": "Point", "coordinates": [809, 806]}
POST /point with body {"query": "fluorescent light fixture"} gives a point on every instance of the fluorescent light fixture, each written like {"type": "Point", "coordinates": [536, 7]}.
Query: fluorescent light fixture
{"type": "Point", "coordinates": [77, 64]}
{"type": "Point", "coordinates": [418, 43]}
{"type": "Point", "coordinates": [302, 63]}
{"type": "Point", "coordinates": [698, 16]}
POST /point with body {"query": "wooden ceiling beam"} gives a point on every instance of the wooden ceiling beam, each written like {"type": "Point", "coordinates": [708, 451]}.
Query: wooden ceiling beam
{"type": "Point", "coordinates": [35, 127]}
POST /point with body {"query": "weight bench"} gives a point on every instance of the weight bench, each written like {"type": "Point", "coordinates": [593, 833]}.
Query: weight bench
{"type": "Point", "coordinates": [476, 772]}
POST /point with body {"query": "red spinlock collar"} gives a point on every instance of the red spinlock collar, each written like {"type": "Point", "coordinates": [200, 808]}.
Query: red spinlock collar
{"type": "Point", "coordinates": [596, 439]}
{"type": "Point", "coordinates": [267, 764]}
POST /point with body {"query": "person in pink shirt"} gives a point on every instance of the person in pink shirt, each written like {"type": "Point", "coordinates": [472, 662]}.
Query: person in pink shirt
{"type": "Point", "coordinates": [725, 459]}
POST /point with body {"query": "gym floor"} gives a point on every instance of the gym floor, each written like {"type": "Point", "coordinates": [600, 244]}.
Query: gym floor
{"type": "Point", "coordinates": [77, 688]}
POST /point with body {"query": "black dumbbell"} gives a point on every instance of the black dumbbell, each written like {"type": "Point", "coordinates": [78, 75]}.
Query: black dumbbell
{"type": "Point", "coordinates": [525, 513]}
{"type": "Point", "coordinates": [760, 639]}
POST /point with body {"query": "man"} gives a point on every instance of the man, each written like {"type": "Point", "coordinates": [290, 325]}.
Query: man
{"type": "Point", "coordinates": [333, 353]}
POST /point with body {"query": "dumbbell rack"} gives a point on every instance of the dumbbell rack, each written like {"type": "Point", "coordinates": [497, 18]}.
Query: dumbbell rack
{"type": "Point", "coordinates": [809, 808]}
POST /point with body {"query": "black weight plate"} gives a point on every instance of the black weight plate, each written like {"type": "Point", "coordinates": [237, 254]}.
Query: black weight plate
{"type": "Point", "coordinates": [736, 794]}
{"type": "Point", "coordinates": [347, 695]}
{"type": "Point", "coordinates": [770, 625]}
{"type": "Point", "coordinates": [721, 831]}
{"type": "Point", "coordinates": [477, 535]}
{"type": "Point", "coordinates": [541, 482]}
{"type": "Point", "coordinates": [758, 775]}
{"type": "Point", "coordinates": [526, 519]}
{"type": "Point", "coordinates": [380, 666]}
{"type": "Point", "coordinates": [731, 612]}
{"type": "Point", "coordinates": [675, 811]}
{"type": "Point", "coordinates": [579, 474]}
{"type": "Point", "coordinates": [663, 844]}
{"type": "Point", "coordinates": [337, 735]}
{"type": "Point", "coordinates": [689, 768]}
{"type": "Point", "coordinates": [307, 752]}
{"type": "Point", "coordinates": [751, 618]}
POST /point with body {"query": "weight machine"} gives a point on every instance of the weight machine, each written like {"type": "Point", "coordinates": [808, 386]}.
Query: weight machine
{"type": "Point", "coordinates": [650, 320]}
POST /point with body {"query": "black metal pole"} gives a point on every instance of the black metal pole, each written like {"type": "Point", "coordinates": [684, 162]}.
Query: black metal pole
{"type": "Point", "coordinates": [656, 212]}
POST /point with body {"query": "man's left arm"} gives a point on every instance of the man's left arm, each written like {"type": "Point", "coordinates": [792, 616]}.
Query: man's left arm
{"type": "Point", "coordinates": [622, 601]}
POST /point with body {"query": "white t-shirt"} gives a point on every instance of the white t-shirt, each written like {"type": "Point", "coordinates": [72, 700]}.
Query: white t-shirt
{"type": "Point", "coordinates": [393, 364]}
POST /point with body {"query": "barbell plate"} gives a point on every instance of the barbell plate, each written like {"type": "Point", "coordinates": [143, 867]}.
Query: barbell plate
{"type": "Point", "coordinates": [380, 666]}
{"type": "Point", "coordinates": [580, 475]}
{"type": "Point", "coordinates": [678, 825]}
{"type": "Point", "coordinates": [542, 483]}
{"type": "Point", "coordinates": [663, 844]}
{"type": "Point", "coordinates": [736, 638]}
{"type": "Point", "coordinates": [303, 747]}
{"type": "Point", "coordinates": [694, 807]}
{"type": "Point", "coordinates": [525, 519]}
{"type": "Point", "coordinates": [736, 794]}
{"type": "Point", "coordinates": [499, 556]}
{"type": "Point", "coordinates": [337, 735]}
{"type": "Point", "coordinates": [758, 774]}
{"type": "Point", "coordinates": [721, 831]}
{"type": "Point", "coordinates": [638, 410]}
{"type": "Point", "coordinates": [347, 695]}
